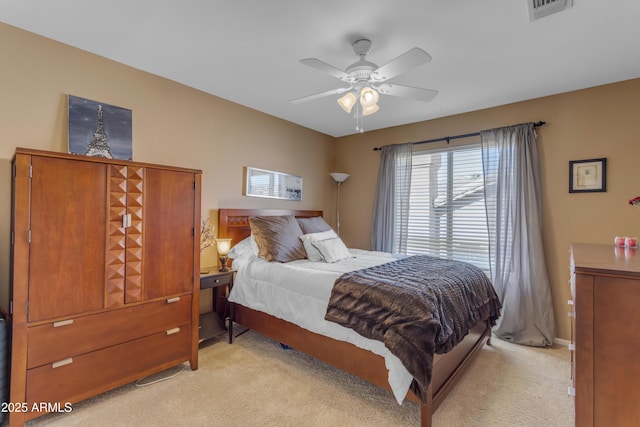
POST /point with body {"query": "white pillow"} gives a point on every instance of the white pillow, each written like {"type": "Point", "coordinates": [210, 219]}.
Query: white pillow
{"type": "Point", "coordinates": [254, 245]}
{"type": "Point", "coordinates": [307, 239]}
{"type": "Point", "coordinates": [332, 250]}
{"type": "Point", "coordinates": [245, 246]}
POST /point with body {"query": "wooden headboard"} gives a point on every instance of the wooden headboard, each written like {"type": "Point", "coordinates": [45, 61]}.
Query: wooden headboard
{"type": "Point", "coordinates": [234, 223]}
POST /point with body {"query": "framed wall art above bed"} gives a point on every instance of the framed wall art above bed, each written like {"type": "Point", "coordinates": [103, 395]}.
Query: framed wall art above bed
{"type": "Point", "coordinates": [271, 184]}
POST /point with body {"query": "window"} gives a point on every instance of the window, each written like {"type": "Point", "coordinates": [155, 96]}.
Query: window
{"type": "Point", "coordinates": [447, 216]}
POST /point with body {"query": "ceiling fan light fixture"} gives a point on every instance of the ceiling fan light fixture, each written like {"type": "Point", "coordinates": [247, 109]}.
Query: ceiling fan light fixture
{"type": "Point", "coordinates": [366, 80]}
{"type": "Point", "coordinates": [368, 97]}
{"type": "Point", "coordinates": [347, 102]}
{"type": "Point", "coordinates": [370, 109]}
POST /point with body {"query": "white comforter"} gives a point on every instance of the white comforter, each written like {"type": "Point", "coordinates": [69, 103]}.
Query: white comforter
{"type": "Point", "coordinates": [299, 292]}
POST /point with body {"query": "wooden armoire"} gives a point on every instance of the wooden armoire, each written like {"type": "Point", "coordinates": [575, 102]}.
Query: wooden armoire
{"type": "Point", "coordinates": [105, 261]}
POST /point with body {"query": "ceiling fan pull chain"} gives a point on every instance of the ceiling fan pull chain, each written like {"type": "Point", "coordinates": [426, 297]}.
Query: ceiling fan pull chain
{"type": "Point", "coordinates": [358, 116]}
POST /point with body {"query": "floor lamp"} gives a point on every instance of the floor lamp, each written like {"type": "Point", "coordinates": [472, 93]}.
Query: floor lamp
{"type": "Point", "coordinates": [339, 178]}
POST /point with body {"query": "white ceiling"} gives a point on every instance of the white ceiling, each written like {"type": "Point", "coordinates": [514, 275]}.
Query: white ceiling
{"type": "Point", "coordinates": [485, 53]}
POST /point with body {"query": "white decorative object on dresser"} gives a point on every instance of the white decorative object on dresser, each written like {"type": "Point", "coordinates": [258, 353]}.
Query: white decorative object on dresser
{"type": "Point", "coordinates": [105, 263]}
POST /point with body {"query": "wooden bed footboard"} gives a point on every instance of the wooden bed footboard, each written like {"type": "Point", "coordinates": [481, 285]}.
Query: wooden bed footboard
{"type": "Point", "coordinates": [447, 368]}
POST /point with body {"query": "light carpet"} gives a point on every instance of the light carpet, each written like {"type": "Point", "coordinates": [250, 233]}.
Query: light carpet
{"type": "Point", "coordinates": [254, 382]}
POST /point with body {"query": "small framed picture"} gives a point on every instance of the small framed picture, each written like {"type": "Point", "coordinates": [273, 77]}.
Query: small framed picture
{"type": "Point", "coordinates": [588, 176]}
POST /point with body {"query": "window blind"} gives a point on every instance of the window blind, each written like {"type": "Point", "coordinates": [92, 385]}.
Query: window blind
{"type": "Point", "coordinates": [447, 215]}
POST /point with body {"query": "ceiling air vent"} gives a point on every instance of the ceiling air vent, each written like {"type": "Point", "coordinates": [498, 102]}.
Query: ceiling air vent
{"type": "Point", "coordinates": [541, 8]}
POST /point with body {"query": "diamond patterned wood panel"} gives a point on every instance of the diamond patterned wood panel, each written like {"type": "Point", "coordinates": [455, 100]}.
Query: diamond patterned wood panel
{"type": "Point", "coordinates": [124, 252]}
{"type": "Point", "coordinates": [116, 238]}
{"type": "Point", "coordinates": [135, 186]}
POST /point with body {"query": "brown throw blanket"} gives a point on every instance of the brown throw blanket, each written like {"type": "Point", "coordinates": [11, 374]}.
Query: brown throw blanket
{"type": "Point", "coordinates": [416, 306]}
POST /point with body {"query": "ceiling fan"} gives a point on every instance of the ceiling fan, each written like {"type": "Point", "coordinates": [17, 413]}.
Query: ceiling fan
{"type": "Point", "coordinates": [366, 80]}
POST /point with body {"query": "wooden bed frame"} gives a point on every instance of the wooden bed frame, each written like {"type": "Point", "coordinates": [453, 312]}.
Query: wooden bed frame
{"type": "Point", "coordinates": [447, 368]}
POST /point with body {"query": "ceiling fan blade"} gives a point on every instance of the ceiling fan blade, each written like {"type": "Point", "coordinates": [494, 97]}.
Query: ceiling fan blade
{"type": "Point", "coordinates": [326, 68]}
{"type": "Point", "coordinates": [417, 93]}
{"type": "Point", "coordinates": [321, 95]}
{"type": "Point", "coordinates": [405, 62]}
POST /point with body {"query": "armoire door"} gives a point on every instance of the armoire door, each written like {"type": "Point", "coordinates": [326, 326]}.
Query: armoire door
{"type": "Point", "coordinates": [67, 237]}
{"type": "Point", "coordinates": [168, 232]}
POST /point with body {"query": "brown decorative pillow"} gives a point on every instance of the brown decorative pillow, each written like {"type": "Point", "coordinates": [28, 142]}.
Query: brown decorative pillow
{"type": "Point", "coordinates": [278, 237]}
{"type": "Point", "coordinates": [314, 224]}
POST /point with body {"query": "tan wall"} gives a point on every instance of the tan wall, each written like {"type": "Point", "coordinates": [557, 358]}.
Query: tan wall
{"type": "Point", "coordinates": [591, 123]}
{"type": "Point", "coordinates": [177, 125]}
{"type": "Point", "coordinates": [172, 124]}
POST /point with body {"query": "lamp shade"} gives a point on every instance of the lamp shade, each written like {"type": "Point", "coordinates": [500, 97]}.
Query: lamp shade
{"type": "Point", "coordinates": [339, 177]}
{"type": "Point", "coordinates": [347, 102]}
{"type": "Point", "coordinates": [368, 97]}
{"type": "Point", "coordinates": [223, 246]}
{"type": "Point", "coordinates": [370, 109]}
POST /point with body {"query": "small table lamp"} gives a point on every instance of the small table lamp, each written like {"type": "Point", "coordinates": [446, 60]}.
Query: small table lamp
{"type": "Point", "coordinates": [223, 246]}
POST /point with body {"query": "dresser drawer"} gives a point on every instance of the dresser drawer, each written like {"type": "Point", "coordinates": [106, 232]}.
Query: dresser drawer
{"type": "Point", "coordinates": [76, 378]}
{"type": "Point", "coordinates": [56, 341]}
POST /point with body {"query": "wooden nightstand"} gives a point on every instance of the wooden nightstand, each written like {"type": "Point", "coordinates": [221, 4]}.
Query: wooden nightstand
{"type": "Point", "coordinates": [212, 324]}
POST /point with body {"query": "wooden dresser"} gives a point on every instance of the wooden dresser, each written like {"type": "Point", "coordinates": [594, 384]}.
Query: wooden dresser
{"type": "Point", "coordinates": [105, 276]}
{"type": "Point", "coordinates": [605, 286]}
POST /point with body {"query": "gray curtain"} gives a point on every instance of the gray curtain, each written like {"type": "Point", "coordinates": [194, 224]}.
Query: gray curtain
{"type": "Point", "coordinates": [389, 226]}
{"type": "Point", "coordinates": [518, 268]}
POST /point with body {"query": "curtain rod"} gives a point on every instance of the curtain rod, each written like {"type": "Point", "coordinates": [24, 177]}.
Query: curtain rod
{"type": "Point", "coordinates": [449, 138]}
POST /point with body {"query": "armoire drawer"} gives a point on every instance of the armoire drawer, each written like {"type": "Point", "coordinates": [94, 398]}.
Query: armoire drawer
{"type": "Point", "coordinates": [56, 341]}
{"type": "Point", "coordinates": [75, 378]}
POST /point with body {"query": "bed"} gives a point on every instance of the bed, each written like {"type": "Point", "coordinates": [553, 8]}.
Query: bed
{"type": "Point", "coordinates": [367, 361]}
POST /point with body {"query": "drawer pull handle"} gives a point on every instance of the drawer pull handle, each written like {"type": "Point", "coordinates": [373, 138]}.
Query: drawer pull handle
{"type": "Point", "coordinates": [572, 347]}
{"type": "Point", "coordinates": [172, 300]}
{"type": "Point", "coordinates": [172, 331]}
{"type": "Point", "coordinates": [570, 302]}
{"type": "Point", "coordinates": [62, 323]}
{"type": "Point", "coordinates": [59, 363]}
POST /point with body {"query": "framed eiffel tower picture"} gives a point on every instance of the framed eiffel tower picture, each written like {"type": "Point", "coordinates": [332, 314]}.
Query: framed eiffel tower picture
{"type": "Point", "coordinates": [99, 129]}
